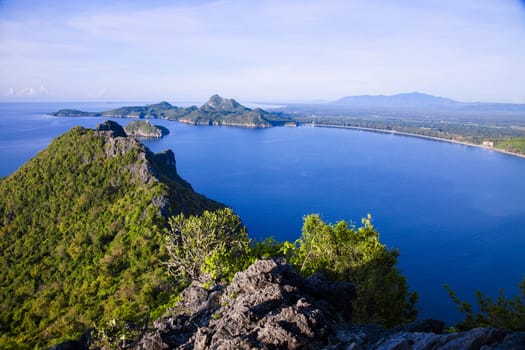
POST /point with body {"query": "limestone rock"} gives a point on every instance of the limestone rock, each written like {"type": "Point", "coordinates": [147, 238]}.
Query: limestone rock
{"type": "Point", "coordinates": [268, 306]}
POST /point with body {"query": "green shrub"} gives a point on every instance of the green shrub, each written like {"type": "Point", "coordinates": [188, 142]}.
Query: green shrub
{"type": "Point", "coordinates": [342, 252]}
{"type": "Point", "coordinates": [499, 313]}
{"type": "Point", "coordinates": [212, 246]}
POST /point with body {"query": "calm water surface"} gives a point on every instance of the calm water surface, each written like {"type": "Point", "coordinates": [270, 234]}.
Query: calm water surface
{"type": "Point", "coordinates": [456, 213]}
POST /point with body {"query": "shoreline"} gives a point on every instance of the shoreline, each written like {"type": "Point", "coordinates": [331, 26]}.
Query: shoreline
{"type": "Point", "coordinates": [332, 126]}
{"type": "Point", "coordinates": [401, 133]}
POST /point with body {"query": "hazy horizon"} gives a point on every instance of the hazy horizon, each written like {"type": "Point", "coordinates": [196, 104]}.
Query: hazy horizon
{"type": "Point", "coordinates": [261, 50]}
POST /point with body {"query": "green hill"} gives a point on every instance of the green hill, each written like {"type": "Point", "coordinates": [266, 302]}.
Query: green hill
{"type": "Point", "coordinates": [81, 235]}
{"type": "Point", "coordinates": [143, 128]}
{"type": "Point", "coordinates": [217, 111]}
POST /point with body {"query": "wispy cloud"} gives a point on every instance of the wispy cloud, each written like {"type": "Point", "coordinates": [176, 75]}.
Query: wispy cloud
{"type": "Point", "coordinates": [266, 48]}
{"type": "Point", "coordinates": [28, 92]}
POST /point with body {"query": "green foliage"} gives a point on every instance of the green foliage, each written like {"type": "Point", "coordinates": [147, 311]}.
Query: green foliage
{"type": "Point", "coordinates": [213, 246]}
{"type": "Point", "coordinates": [144, 128]}
{"type": "Point", "coordinates": [82, 239]}
{"type": "Point", "coordinates": [342, 252]}
{"type": "Point", "coordinates": [500, 313]}
{"type": "Point", "coordinates": [161, 309]}
{"type": "Point", "coordinates": [117, 334]}
{"type": "Point", "coordinates": [267, 248]}
{"type": "Point", "coordinates": [515, 145]}
{"type": "Point", "coordinates": [508, 135]}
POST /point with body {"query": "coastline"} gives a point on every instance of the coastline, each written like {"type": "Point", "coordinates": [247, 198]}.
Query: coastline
{"type": "Point", "coordinates": [401, 133]}
{"type": "Point", "coordinates": [333, 126]}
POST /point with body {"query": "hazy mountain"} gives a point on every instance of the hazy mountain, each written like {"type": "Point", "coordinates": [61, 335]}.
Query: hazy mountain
{"type": "Point", "coordinates": [422, 102]}
{"type": "Point", "coordinates": [405, 100]}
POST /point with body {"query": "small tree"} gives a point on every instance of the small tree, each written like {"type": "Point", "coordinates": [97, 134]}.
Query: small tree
{"type": "Point", "coordinates": [211, 246]}
{"type": "Point", "coordinates": [501, 313]}
{"type": "Point", "coordinates": [342, 252]}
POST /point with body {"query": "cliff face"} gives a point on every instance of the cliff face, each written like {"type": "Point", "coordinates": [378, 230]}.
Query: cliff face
{"type": "Point", "coordinates": [81, 235]}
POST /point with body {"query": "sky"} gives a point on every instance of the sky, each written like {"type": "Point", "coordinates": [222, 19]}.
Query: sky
{"type": "Point", "coordinates": [261, 50]}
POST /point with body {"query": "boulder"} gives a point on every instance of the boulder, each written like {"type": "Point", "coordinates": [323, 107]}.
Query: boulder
{"type": "Point", "coordinates": [268, 306]}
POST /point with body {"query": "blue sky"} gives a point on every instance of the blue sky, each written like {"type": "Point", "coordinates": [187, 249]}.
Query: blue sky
{"type": "Point", "coordinates": [261, 50]}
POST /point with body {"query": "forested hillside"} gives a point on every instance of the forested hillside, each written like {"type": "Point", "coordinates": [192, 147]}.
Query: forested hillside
{"type": "Point", "coordinates": [81, 235]}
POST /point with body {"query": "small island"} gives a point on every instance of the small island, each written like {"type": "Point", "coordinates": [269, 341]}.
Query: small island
{"type": "Point", "coordinates": [216, 111]}
{"type": "Point", "coordinates": [144, 129]}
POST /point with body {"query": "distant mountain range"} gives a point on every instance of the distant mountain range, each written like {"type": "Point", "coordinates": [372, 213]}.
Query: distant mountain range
{"type": "Point", "coordinates": [417, 100]}
{"type": "Point", "coordinates": [405, 100]}
{"type": "Point", "coordinates": [217, 111]}
{"type": "Point", "coordinates": [411, 105]}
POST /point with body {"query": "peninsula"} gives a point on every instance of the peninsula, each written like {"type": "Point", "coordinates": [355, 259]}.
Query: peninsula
{"type": "Point", "coordinates": [497, 126]}
{"type": "Point", "coordinates": [217, 111]}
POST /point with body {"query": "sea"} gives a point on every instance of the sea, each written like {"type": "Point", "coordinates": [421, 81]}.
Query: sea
{"type": "Point", "coordinates": [456, 213]}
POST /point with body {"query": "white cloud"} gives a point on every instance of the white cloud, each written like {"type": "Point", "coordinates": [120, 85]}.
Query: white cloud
{"type": "Point", "coordinates": [265, 48]}
{"type": "Point", "coordinates": [28, 91]}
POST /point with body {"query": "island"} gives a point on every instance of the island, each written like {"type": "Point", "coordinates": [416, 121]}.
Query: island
{"type": "Point", "coordinates": [216, 111]}
{"type": "Point", "coordinates": [144, 129]}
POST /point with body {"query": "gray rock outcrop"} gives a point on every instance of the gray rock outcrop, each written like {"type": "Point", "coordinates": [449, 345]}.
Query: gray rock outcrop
{"type": "Point", "coordinates": [268, 306]}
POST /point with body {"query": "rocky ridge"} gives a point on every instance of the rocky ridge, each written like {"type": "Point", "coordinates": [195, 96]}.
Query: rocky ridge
{"type": "Point", "coordinates": [160, 167]}
{"type": "Point", "coordinates": [270, 306]}
{"type": "Point", "coordinates": [81, 228]}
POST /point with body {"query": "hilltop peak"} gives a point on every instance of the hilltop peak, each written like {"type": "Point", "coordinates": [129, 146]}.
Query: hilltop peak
{"type": "Point", "coordinates": [112, 127]}
{"type": "Point", "coordinates": [87, 212]}
{"type": "Point", "coordinates": [223, 104]}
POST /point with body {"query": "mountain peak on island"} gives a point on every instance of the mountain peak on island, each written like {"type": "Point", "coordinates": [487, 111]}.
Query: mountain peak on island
{"type": "Point", "coordinates": [223, 104]}
{"type": "Point", "coordinates": [216, 111]}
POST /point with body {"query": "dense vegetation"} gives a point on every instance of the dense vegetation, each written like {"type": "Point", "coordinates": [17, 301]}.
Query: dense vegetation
{"type": "Point", "coordinates": [143, 128]}
{"type": "Point", "coordinates": [210, 247]}
{"type": "Point", "coordinates": [214, 246]}
{"type": "Point", "coordinates": [217, 111]}
{"type": "Point", "coordinates": [90, 227]}
{"type": "Point", "coordinates": [515, 145]}
{"type": "Point", "coordinates": [81, 236]}
{"type": "Point", "coordinates": [342, 252]}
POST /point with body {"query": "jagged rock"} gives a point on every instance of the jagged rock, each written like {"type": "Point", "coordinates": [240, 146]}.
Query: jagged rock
{"type": "Point", "coordinates": [474, 339]}
{"type": "Point", "coordinates": [114, 129]}
{"type": "Point", "coordinates": [268, 306]}
{"type": "Point", "coordinates": [513, 341]}
{"type": "Point", "coordinates": [427, 326]}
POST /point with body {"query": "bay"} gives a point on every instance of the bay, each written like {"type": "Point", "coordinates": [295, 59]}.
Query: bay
{"type": "Point", "coordinates": [456, 213]}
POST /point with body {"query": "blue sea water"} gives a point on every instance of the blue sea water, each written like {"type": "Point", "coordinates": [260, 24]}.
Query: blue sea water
{"type": "Point", "coordinates": [456, 213]}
